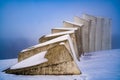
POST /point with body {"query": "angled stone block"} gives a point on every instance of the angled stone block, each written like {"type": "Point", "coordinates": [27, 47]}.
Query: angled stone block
{"type": "Point", "coordinates": [106, 34]}
{"type": "Point", "coordinates": [26, 53]}
{"type": "Point", "coordinates": [68, 24]}
{"type": "Point", "coordinates": [57, 30]}
{"type": "Point", "coordinates": [85, 32]}
{"type": "Point", "coordinates": [55, 35]}
{"type": "Point", "coordinates": [60, 61]}
{"type": "Point", "coordinates": [92, 31]}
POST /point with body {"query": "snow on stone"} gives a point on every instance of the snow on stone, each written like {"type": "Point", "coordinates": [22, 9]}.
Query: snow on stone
{"type": "Point", "coordinates": [36, 59]}
{"type": "Point", "coordinates": [58, 39]}
{"type": "Point", "coordinates": [102, 65]}
{"type": "Point", "coordinates": [31, 61]}
{"type": "Point", "coordinates": [74, 23]}
{"type": "Point", "coordinates": [64, 28]}
{"type": "Point", "coordinates": [60, 33]}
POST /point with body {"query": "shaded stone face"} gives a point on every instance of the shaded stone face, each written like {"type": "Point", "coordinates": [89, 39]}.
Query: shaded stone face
{"type": "Point", "coordinates": [106, 34]}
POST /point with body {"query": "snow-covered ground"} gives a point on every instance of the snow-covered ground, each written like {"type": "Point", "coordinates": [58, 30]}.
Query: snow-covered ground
{"type": "Point", "coordinates": [103, 65]}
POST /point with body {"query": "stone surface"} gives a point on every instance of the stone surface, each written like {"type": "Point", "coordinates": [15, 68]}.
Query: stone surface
{"type": "Point", "coordinates": [106, 34]}
{"type": "Point", "coordinates": [98, 36]}
{"type": "Point", "coordinates": [85, 32]}
{"type": "Point", "coordinates": [92, 31]}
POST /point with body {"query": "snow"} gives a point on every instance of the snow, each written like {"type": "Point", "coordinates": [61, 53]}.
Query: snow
{"type": "Point", "coordinates": [60, 33]}
{"type": "Point", "coordinates": [74, 23]}
{"type": "Point", "coordinates": [31, 61]}
{"type": "Point", "coordinates": [102, 65]}
{"type": "Point", "coordinates": [63, 28]}
{"type": "Point", "coordinates": [58, 39]}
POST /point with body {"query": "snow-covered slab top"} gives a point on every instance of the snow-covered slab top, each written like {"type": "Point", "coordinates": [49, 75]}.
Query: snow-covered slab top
{"type": "Point", "coordinates": [60, 33]}
{"type": "Point", "coordinates": [64, 28]}
{"type": "Point", "coordinates": [82, 18]}
{"type": "Point", "coordinates": [31, 61]}
{"type": "Point", "coordinates": [74, 23]}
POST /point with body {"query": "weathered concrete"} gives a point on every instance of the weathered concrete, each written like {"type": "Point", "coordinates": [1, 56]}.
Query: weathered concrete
{"type": "Point", "coordinates": [72, 34]}
{"type": "Point", "coordinates": [106, 34]}
{"type": "Point", "coordinates": [68, 24]}
{"type": "Point", "coordinates": [85, 32]}
{"type": "Point", "coordinates": [98, 35]}
{"type": "Point", "coordinates": [57, 30]}
{"type": "Point", "coordinates": [92, 31]}
{"type": "Point", "coordinates": [60, 62]}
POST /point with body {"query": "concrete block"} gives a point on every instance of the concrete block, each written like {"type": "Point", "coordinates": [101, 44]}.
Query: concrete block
{"type": "Point", "coordinates": [98, 36]}
{"type": "Point", "coordinates": [92, 31]}
{"type": "Point", "coordinates": [57, 30]}
{"type": "Point", "coordinates": [106, 32]}
{"type": "Point", "coordinates": [85, 32]}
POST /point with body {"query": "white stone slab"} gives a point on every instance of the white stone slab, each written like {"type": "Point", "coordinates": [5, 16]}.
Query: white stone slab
{"type": "Point", "coordinates": [98, 35]}
{"type": "Point", "coordinates": [106, 38]}
{"type": "Point", "coordinates": [85, 32]}
{"type": "Point", "coordinates": [92, 31]}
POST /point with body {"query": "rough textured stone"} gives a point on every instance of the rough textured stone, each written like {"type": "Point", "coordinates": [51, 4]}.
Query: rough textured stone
{"type": "Point", "coordinates": [98, 35]}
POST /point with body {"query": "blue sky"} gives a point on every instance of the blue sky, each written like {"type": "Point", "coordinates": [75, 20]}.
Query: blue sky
{"type": "Point", "coordinates": [23, 22]}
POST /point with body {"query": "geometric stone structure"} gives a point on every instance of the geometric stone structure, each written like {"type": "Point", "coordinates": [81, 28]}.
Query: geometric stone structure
{"type": "Point", "coordinates": [59, 52]}
{"type": "Point", "coordinates": [55, 35]}
{"type": "Point", "coordinates": [26, 53]}
{"type": "Point", "coordinates": [100, 33]}
{"type": "Point", "coordinates": [85, 32]}
{"type": "Point", "coordinates": [68, 24]}
{"type": "Point", "coordinates": [57, 59]}
{"type": "Point", "coordinates": [62, 29]}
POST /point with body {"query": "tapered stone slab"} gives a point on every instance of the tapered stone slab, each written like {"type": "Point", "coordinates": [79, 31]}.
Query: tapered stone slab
{"type": "Point", "coordinates": [98, 35]}
{"type": "Point", "coordinates": [85, 31]}
{"type": "Point", "coordinates": [55, 35]}
{"type": "Point", "coordinates": [60, 62]}
{"type": "Point", "coordinates": [68, 24]}
{"type": "Point", "coordinates": [92, 31]}
{"type": "Point", "coordinates": [66, 39]}
{"type": "Point", "coordinates": [106, 34]}
{"type": "Point", "coordinates": [57, 30]}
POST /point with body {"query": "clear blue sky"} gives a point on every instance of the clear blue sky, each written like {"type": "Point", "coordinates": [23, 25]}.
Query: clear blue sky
{"type": "Point", "coordinates": [22, 22]}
